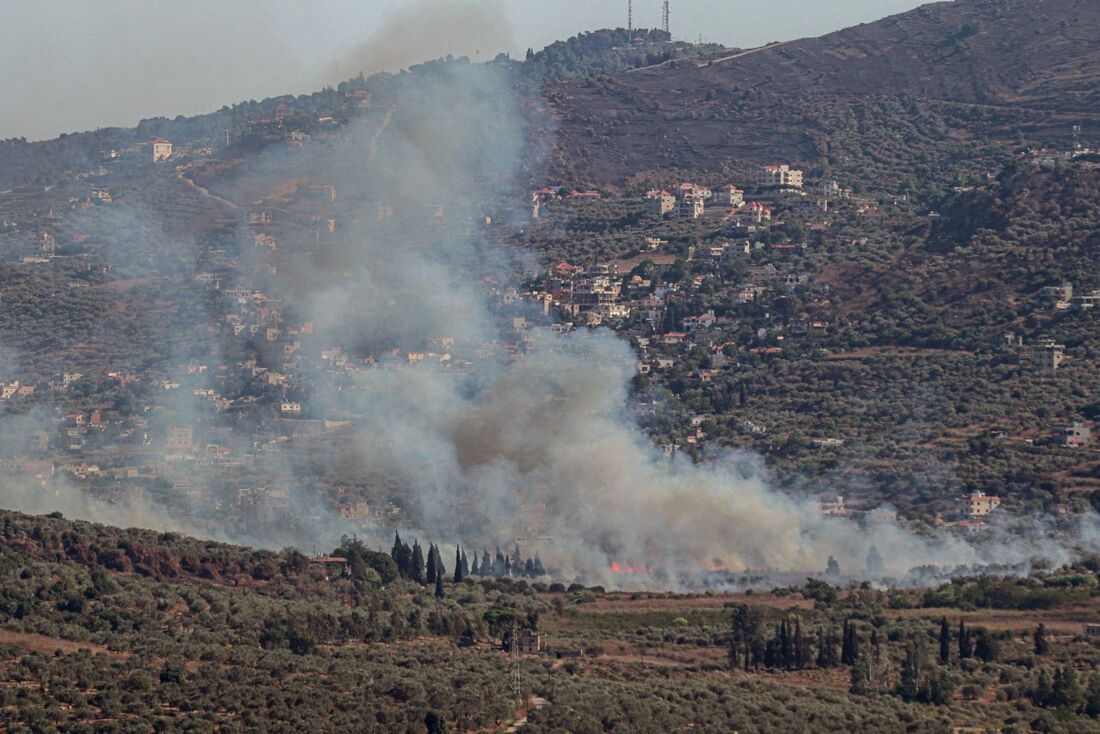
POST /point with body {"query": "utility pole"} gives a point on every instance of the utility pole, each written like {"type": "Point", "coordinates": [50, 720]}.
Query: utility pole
{"type": "Point", "coordinates": [664, 17]}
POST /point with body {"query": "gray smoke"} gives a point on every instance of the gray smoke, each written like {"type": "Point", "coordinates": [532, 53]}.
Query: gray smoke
{"type": "Point", "coordinates": [486, 443]}
{"type": "Point", "coordinates": [427, 29]}
{"type": "Point", "coordinates": [540, 445]}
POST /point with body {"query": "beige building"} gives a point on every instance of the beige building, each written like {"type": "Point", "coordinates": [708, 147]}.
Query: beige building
{"type": "Point", "coordinates": [980, 504]}
{"type": "Point", "coordinates": [730, 195]}
{"type": "Point", "coordinates": [660, 202]}
{"type": "Point", "coordinates": [162, 150]}
{"type": "Point", "coordinates": [780, 175]}
{"type": "Point", "coordinates": [1044, 355]}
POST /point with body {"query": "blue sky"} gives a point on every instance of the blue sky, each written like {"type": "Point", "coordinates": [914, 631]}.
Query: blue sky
{"type": "Point", "coordinates": [70, 65]}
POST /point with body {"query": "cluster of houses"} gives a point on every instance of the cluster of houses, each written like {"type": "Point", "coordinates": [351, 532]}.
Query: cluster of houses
{"type": "Point", "coordinates": [1062, 298]}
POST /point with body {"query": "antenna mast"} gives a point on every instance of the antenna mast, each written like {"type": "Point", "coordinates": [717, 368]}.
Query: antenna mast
{"type": "Point", "coordinates": [664, 17]}
{"type": "Point", "coordinates": [630, 17]}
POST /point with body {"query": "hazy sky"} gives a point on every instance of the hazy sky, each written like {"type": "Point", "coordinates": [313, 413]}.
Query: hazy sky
{"type": "Point", "coordinates": [69, 65]}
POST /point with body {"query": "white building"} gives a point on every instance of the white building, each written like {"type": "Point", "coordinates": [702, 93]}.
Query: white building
{"type": "Point", "coordinates": [780, 175]}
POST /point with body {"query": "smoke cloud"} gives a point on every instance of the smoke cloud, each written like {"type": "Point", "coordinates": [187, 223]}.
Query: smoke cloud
{"type": "Point", "coordinates": [428, 29]}
{"type": "Point", "coordinates": [486, 436]}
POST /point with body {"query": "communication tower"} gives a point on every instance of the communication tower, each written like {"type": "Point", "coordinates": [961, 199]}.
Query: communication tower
{"type": "Point", "coordinates": [630, 18]}
{"type": "Point", "coordinates": [664, 17]}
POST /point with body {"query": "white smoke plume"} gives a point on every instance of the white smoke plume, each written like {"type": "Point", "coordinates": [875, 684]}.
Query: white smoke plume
{"type": "Point", "coordinates": [540, 445]}
{"type": "Point", "coordinates": [534, 442]}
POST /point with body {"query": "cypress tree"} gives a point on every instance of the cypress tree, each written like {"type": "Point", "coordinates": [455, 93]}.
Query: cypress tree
{"type": "Point", "coordinates": [486, 564]}
{"type": "Point", "coordinates": [860, 676]}
{"type": "Point", "coordinates": [398, 553]}
{"type": "Point", "coordinates": [1041, 644]}
{"type": "Point", "coordinates": [849, 651]}
{"type": "Point", "coordinates": [966, 645]}
{"type": "Point", "coordinates": [945, 642]}
{"type": "Point", "coordinates": [439, 586]}
{"type": "Point", "coordinates": [798, 647]}
{"type": "Point", "coordinates": [733, 646]}
{"type": "Point", "coordinates": [909, 684]}
{"type": "Point", "coordinates": [458, 565]}
{"type": "Point", "coordinates": [440, 567]}
{"type": "Point", "coordinates": [466, 565]}
{"type": "Point", "coordinates": [785, 657]}
{"type": "Point", "coordinates": [1044, 692]}
{"type": "Point", "coordinates": [474, 570]}
{"type": "Point", "coordinates": [539, 570]}
{"type": "Point", "coordinates": [432, 568]}
{"type": "Point", "coordinates": [417, 572]}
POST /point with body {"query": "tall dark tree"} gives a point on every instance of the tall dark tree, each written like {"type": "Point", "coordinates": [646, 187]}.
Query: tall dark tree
{"type": "Point", "coordinates": [909, 682]}
{"type": "Point", "coordinates": [966, 644]}
{"type": "Point", "coordinates": [487, 567]}
{"type": "Point", "coordinates": [440, 566]}
{"type": "Point", "coordinates": [475, 570]}
{"type": "Point", "coordinates": [539, 570]}
{"type": "Point", "coordinates": [945, 642]}
{"type": "Point", "coordinates": [801, 645]}
{"type": "Point", "coordinates": [1042, 646]}
{"type": "Point", "coordinates": [439, 586]}
{"type": "Point", "coordinates": [827, 656]}
{"type": "Point", "coordinates": [747, 637]}
{"type": "Point", "coordinates": [786, 657]}
{"type": "Point", "coordinates": [418, 572]}
{"type": "Point", "coordinates": [401, 556]}
{"type": "Point", "coordinates": [458, 565]}
{"type": "Point", "coordinates": [849, 647]}
{"type": "Point", "coordinates": [986, 647]}
{"type": "Point", "coordinates": [435, 724]}
{"type": "Point", "coordinates": [860, 684]}
{"type": "Point", "coordinates": [432, 568]}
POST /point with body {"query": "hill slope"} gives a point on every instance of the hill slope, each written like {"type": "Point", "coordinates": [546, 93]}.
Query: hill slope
{"type": "Point", "coordinates": [962, 70]}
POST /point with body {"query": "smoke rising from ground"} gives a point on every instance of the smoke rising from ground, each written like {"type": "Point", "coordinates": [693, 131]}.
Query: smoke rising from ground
{"type": "Point", "coordinates": [540, 445]}
{"type": "Point", "coordinates": [534, 442]}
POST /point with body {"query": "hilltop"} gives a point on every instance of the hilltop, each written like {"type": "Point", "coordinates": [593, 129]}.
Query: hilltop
{"type": "Point", "coordinates": [898, 91]}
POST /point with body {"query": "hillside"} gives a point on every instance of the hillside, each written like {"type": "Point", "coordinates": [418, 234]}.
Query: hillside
{"type": "Point", "coordinates": [976, 71]}
{"type": "Point", "coordinates": [107, 630]}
